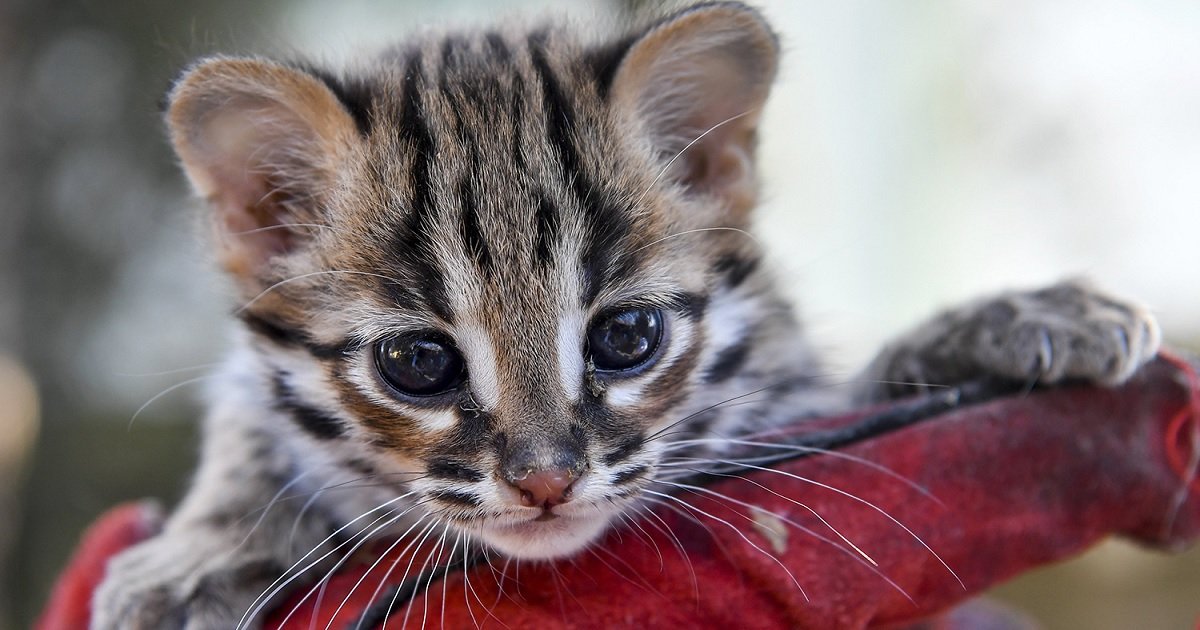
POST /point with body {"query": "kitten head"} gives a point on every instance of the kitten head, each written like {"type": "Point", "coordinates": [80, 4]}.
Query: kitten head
{"type": "Point", "coordinates": [512, 263]}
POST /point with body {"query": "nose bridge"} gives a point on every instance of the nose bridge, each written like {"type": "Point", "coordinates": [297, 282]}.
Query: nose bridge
{"type": "Point", "coordinates": [533, 414]}
{"type": "Point", "coordinates": [539, 435]}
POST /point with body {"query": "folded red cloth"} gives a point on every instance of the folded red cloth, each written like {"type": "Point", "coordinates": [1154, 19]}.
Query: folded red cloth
{"type": "Point", "coordinates": [968, 498]}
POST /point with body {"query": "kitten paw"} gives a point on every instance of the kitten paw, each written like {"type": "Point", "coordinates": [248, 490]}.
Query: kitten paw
{"type": "Point", "coordinates": [171, 582]}
{"type": "Point", "coordinates": [1068, 331]}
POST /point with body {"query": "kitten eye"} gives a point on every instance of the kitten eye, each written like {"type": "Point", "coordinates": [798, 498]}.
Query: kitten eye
{"type": "Point", "coordinates": [422, 364]}
{"type": "Point", "coordinates": [623, 339]}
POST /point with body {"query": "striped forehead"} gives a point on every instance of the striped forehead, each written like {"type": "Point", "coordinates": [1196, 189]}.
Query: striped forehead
{"type": "Point", "coordinates": [491, 210]}
{"type": "Point", "coordinates": [496, 173]}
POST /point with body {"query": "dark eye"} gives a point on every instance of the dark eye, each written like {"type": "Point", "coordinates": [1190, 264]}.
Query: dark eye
{"type": "Point", "coordinates": [624, 339]}
{"type": "Point", "coordinates": [422, 364]}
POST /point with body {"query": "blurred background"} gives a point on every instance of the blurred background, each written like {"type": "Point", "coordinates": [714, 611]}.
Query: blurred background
{"type": "Point", "coordinates": [914, 154]}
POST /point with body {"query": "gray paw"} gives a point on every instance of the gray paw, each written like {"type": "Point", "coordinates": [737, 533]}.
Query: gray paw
{"type": "Point", "coordinates": [173, 582]}
{"type": "Point", "coordinates": [1069, 331]}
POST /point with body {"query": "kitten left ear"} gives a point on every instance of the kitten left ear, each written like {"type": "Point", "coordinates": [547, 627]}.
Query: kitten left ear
{"type": "Point", "coordinates": [700, 78]}
{"type": "Point", "coordinates": [262, 143]}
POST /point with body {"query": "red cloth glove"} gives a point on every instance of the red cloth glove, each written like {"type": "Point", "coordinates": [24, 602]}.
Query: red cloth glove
{"type": "Point", "coordinates": [975, 496]}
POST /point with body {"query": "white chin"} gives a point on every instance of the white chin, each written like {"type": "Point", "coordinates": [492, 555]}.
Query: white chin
{"type": "Point", "coordinates": [544, 540]}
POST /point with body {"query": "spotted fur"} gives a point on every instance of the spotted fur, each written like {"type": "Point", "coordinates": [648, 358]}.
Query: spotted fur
{"type": "Point", "coordinates": [503, 188]}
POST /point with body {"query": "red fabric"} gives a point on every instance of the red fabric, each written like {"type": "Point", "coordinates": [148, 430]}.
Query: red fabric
{"type": "Point", "coordinates": [1008, 485]}
{"type": "Point", "coordinates": [120, 527]}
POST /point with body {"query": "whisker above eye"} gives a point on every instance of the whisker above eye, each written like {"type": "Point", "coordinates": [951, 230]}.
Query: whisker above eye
{"type": "Point", "coordinates": [689, 145]}
{"type": "Point", "coordinates": [694, 231]}
{"type": "Point", "coordinates": [306, 276]}
{"type": "Point", "coordinates": [285, 226]}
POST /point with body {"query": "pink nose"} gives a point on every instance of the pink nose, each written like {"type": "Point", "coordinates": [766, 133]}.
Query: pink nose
{"type": "Point", "coordinates": [545, 488]}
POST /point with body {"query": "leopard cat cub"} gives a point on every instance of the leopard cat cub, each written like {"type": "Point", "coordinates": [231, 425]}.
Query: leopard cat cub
{"type": "Point", "coordinates": [488, 280]}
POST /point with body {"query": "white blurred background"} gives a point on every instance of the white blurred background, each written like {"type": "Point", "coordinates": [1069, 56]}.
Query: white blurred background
{"type": "Point", "coordinates": [914, 154]}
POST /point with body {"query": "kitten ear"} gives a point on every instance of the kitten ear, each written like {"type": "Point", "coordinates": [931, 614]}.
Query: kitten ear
{"type": "Point", "coordinates": [261, 142]}
{"type": "Point", "coordinates": [702, 75]}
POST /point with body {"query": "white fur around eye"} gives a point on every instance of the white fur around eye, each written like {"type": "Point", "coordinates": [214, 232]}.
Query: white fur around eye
{"type": "Point", "coordinates": [570, 353]}
{"type": "Point", "coordinates": [479, 350]}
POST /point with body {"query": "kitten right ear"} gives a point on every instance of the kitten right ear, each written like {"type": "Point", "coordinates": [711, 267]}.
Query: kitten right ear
{"type": "Point", "coordinates": [261, 142]}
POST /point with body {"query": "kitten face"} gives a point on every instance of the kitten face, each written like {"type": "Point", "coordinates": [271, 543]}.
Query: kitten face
{"type": "Point", "coordinates": [488, 261]}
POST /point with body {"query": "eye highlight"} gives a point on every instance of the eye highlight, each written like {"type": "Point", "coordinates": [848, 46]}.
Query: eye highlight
{"type": "Point", "coordinates": [624, 339]}
{"type": "Point", "coordinates": [420, 364]}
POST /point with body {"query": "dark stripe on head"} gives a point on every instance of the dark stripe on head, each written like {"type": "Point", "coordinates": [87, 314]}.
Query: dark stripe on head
{"type": "Point", "coordinates": [498, 48]}
{"type": "Point", "coordinates": [606, 60]}
{"type": "Point", "coordinates": [450, 44]}
{"type": "Point", "coordinates": [354, 94]}
{"type": "Point", "coordinates": [560, 119]}
{"type": "Point", "coordinates": [735, 269]}
{"type": "Point", "coordinates": [607, 225]}
{"type": "Point", "coordinates": [413, 245]}
{"type": "Point", "coordinates": [728, 361]}
{"type": "Point", "coordinates": [547, 230]}
{"type": "Point", "coordinates": [315, 422]}
{"type": "Point", "coordinates": [450, 469]}
{"type": "Point", "coordinates": [517, 111]}
{"type": "Point", "coordinates": [476, 247]}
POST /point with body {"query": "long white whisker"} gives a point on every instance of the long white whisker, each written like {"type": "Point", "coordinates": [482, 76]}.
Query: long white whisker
{"type": "Point", "coordinates": [381, 556]}
{"type": "Point", "coordinates": [445, 581]}
{"type": "Point", "coordinates": [254, 610]}
{"type": "Point", "coordinates": [694, 231]}
{"type": "Point", "coordinates": [737, 531]}
{"type": "Point", "coordinates": [756, 508]}
{"type": "Point", "coordinates": [285, 226]}
{"type": "Point", "coordinates": [321, 584]}
{"type": "Point", "coordinates": [413, 545]}
{"type": "Point", "coordinates": [658, 434]}
{"type": "Point", "coordinates": [164, 392]}
{"type": "Point", "coordinates": [404, 578]}
{"type": "Point", "coordinates": [865, 560]}
{"type": "Point", "coordinates": [181, 370]}
{"type": "Point", "coordinates": [305, 276]}
{"type": "Point", "coordinates": [864, 502]}
{"type": "Point", "coordinates": [685, 148]}
{"type": "Point", "coordinates": [631, 522]}
{"type": "Point", "coordinates": [811, 449]}
{"type": "Point", "coordinates": [274, 499]}
{"type": "Point", "coordinates": [429, 582]}
{"type": "Point", "coordinates": [352, 484]}
{"type": "Point", "coordinates": [662, 526]}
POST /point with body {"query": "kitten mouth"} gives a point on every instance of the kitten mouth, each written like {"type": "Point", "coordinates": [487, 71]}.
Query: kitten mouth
{"type": "Point", "coordinates": [543, 536]}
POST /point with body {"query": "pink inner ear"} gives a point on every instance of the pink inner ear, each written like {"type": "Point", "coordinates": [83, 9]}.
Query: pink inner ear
{"type": "Point", "coordinates": [252, 215]}
{"type": "Point", "coordinates": [722, 164]}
